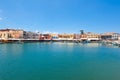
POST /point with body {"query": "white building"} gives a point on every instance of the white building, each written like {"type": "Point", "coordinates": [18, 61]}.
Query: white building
{"type": "Point", "coordinates": [115, 36]}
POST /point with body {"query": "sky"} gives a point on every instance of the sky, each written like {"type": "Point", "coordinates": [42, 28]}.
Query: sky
{"type": "Point", "coordinates": [61, 16]}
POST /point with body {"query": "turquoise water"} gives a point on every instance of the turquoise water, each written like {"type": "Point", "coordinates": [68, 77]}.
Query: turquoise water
{"type": "Point", "coordinates": [59, 61]}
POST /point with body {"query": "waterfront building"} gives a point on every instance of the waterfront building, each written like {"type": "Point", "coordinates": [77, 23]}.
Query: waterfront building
{"type": "Point", "coordinates": [76, 36]}
{"type": "Point", "coordinates": [83, 37]}
{"type": "Point", "coordinates": [54, 36]}
{"type": "Point", "coordinates": [45, 37]}
{"type": "Point", "coordinates": [93, 36]}
{"type": "Point", "coordinates": [115, 36]}
{"type": "Point", "coordinates": [106, 36]}
{"type": "Point", "coordinates": [11, 34]}
{"type": "Point", "coordinates": [110, 36]}
{"type": "Point", "coordinates": [31, 35]}
{"type": "Point", "coordinates": [66, 36]}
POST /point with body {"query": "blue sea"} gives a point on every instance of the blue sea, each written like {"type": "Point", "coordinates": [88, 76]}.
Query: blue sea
{"type": "Point", "coordinates": [59, 61]}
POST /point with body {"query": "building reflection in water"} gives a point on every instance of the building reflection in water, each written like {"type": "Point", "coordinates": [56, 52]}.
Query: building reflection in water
{"type": "Point", "coordinates": [12, 49]}
{"type": "Point", "coordinates": [92, 44]}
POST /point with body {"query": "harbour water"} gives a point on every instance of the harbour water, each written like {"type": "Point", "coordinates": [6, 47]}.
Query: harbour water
{"type": "Point", "coordinates": [59, 61]}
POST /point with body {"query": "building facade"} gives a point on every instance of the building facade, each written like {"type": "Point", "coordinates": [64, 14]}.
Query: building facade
{"type": "Point", "coordinates": [110, 36]}
{"type": "Point", "coordinates": [31, 35]}
{"type": "Point", "coordinates": [83, 36]}
{"type": "Point", "coordinates": [45, 37]}
{"type": "Point", "coordinates": [76, 36]}
{"type": "Point", "coordinates": [66, 36]}
{"type": "Point", "coordinates": [93, 36]}
{"type": "Point", "coordinates": [54, 36]}
{"type": "Point", "coordinates": [115, 36]}
{"type": "Point", "coordinates": [11, 34]}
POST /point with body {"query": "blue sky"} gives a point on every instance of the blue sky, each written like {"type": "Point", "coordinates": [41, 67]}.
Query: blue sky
{"type": "Point", "coordinates": [63, 16]}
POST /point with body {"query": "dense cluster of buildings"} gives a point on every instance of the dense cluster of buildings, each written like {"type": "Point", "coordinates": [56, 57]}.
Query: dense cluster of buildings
{"type": "Point", "coordinates": [11, 34]}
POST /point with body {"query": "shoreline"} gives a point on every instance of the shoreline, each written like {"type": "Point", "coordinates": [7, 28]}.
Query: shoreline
{"type": "Point", "coordinates": [33, 40]}
{"type": "Point", "coordinates": [65, 40]}
{"type": "Point", "coordinates": [21, 41]}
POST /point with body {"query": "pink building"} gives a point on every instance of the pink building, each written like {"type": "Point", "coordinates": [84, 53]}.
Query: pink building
{"type": "Point", "coordinates": [11, 34]}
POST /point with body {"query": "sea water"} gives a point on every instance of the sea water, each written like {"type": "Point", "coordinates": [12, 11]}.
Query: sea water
{"type": "Point", "coordinates": [59, 61]}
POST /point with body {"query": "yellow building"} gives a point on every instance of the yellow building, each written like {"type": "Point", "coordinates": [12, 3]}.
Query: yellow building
{"type": "Point", "coordinates": [93, 36]}
{"type": "Point", "coordinates": [54, 36]}
{"type": "Point", "coordinates": [66, 36]}
{"type": "Point", "coordinates": [83, 36]}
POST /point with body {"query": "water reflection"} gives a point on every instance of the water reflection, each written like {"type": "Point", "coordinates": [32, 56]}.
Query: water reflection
{"type": "Point", "coordinates": [11, 49]}
{"type": "Point", "coordinates": [60, 47]}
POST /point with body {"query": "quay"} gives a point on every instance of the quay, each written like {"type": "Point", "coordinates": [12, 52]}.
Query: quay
{"type": "Point", "coordinates": [104, 42]}
{"type": "Point", "coordinates": [47, 40]}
